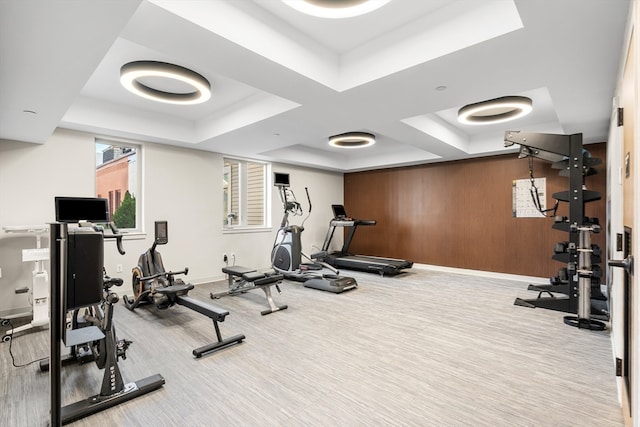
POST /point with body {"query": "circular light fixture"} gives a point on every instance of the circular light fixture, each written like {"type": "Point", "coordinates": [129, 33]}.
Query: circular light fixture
{"type": "Point", "coordinates": [352, 140]}
{"type": "Point", "coordinates": [335, 9]}
{"type": "Point", "coordinates": [133, 74]}
{"type": "Point", "coordinates": [495, 110]}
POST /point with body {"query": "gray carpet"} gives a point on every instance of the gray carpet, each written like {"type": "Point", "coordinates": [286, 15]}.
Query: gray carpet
{"type": "Point", "coordinates": [421, 349]}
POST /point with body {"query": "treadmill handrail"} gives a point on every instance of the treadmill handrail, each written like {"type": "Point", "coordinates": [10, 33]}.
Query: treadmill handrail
{"type": "Point", "coordinates": [352, 224]}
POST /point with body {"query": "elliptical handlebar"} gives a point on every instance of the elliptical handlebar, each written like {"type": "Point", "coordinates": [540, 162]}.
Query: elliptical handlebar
{"type": "Point", "coordinates": [306, 190]}
{"type": "Point", "coordinates": [291, 205]}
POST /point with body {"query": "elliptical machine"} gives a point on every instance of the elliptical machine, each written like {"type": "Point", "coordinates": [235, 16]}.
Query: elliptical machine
{"type": "Point", "coordinates": [287, 255]}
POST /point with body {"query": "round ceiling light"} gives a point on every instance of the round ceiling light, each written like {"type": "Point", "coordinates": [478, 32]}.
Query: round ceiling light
{"type": "Point", "coordinates": [335, 9]}
{"type": "Point", "coordinates": [495, 110]}
{"type": "Point", "coordinates": [352, 140]}
{"type": "Point", "coordinates": [136, 77]}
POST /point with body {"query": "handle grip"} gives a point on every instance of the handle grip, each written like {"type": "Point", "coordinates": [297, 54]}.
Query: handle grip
{"type": "Point", "coordinates": [626, 263]}
{"type": "Point", "coordinates": [166, 273]}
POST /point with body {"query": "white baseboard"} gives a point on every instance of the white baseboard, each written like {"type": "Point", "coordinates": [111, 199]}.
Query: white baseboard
{"type": "Point", "coordinates": [492, 274]}
{"type": "Point", "coordinates": [204, 280]}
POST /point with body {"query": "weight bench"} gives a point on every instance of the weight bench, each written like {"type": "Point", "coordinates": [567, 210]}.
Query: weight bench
{"type": "Point", "coordinates": [216, 314]}
{"type": "Point", "coordinates": [243, 279]}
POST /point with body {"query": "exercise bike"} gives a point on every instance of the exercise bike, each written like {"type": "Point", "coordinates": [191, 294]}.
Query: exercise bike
{"type": "Point", "coordinates": [90, 332]}
{"type": "Point", "coordinates": [286, 255]}
{"type": "Point", "coordinates": [153, 285]}
{"type": "Point", "coordinates": [95, 323]}
{"type": "Point", "coordinates": [80, 285]}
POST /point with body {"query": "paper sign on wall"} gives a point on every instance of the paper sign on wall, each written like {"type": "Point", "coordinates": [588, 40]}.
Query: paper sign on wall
{"type": "Point", "coordinates": [523, 204]}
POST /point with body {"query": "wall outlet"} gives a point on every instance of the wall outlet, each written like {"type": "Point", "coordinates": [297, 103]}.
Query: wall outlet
{"type": "Point", "coordinates": [119, 268]}
{"type": "Point", "coordinates": [225, 258]}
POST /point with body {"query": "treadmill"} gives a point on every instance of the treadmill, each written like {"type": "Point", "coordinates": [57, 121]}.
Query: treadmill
{"type": "Point", "coordinates": [344, 259]}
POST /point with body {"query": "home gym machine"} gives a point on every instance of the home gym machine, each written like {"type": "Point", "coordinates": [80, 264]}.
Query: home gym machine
{"type": "Point", "coordinates": [344, 259]}
{"type": "Point", "coordinates": [243, 279]}
{"type": "Point", "coordinates": [77, 281]}
{"type": "Point", "coordinates": [286, 255]}
{"type": "Point", "coordinates": [581, 272]}
{"type": "Point", "coordinates": [39, 291]}
{"type": "Point", "coordinates": [152, 284]}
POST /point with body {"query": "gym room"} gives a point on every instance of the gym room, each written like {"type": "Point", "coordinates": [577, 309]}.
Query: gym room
{"type": "Point", "coordinates": [319, 213]}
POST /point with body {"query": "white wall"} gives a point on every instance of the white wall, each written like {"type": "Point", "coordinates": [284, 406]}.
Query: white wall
{"type": "Point", "coordinates": [182, 186]}
{"type": "Point", "coordinates": [31, 176]}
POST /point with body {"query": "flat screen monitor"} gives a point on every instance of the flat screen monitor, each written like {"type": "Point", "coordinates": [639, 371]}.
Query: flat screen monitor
{"type": "Point", "coordinates": [162, 232]}
{"type": "Point", "coordinates": [281, 179]}
{"type": "Point", "coordinates": [339, 211]}
{"type": "Point", "coordinates": [77, 209]}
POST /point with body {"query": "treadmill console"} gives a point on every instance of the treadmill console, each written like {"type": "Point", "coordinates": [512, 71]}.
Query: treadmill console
{"type": "Point", "coordinates": [339, 213]}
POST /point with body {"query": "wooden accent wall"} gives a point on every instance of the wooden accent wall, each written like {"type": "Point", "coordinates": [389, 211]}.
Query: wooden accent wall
{"type": "Point", "coordinates": [459, 214]}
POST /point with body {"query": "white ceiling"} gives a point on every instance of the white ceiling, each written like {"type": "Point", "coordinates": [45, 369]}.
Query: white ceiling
{"type": "Point", "coordinates": [284, 82]}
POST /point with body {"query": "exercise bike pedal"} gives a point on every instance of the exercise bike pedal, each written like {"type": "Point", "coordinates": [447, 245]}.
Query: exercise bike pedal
{"type": "Point", "coordinates": [121, 348]}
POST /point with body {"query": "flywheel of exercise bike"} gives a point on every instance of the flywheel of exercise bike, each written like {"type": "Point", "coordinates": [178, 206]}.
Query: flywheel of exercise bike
{"type": "Point", "coordinates": [137, 284]}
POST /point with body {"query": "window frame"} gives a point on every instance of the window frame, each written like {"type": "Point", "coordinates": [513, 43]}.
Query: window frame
{"type": "Point", "coordinates": [139, 180]}
{"type": "Point", "coordinates": [227, 197]}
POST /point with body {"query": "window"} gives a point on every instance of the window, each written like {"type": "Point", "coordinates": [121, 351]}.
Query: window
{"type": "Point", "coordinates": [117, 179]}
{"type": "Point", "coordinates": [245, 188]}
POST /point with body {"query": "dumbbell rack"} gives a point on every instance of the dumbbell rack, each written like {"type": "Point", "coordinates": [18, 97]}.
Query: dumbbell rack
{"type": "Point", "coordinates": [585, 271]}
{"type": "Point", "coordinates": [578, 254]}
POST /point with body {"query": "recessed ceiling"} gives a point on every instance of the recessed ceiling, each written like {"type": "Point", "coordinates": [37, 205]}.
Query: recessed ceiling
{"type": "Point", "coordinates": [282, 82]}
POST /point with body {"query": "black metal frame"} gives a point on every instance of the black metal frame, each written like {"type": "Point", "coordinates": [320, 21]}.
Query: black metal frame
{"type": "Point", "coordinates": [106, 398]}
{"type": "Point", "coordinates": [242, 279]}
{"type": "Point", "coordinates": [571, 148]}
{"type": "Point", "coordinates": [344, 259]}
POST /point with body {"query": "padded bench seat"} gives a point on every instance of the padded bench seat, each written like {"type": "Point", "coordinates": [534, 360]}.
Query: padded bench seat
{"type": "Point", "coordinates": [243, 279]}
{"type": "Point", "coordinates": [237, 270]}
{"type": "Point", "coordinates": [211, 311]}
{"type": "Point", "coordinates": [252, 275]}
{"type": "Point", "coordinates": [267, 279]}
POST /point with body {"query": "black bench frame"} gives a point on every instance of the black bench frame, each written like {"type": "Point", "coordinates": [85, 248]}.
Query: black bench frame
{"type": "Point", "coordinates": [243, 279]}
